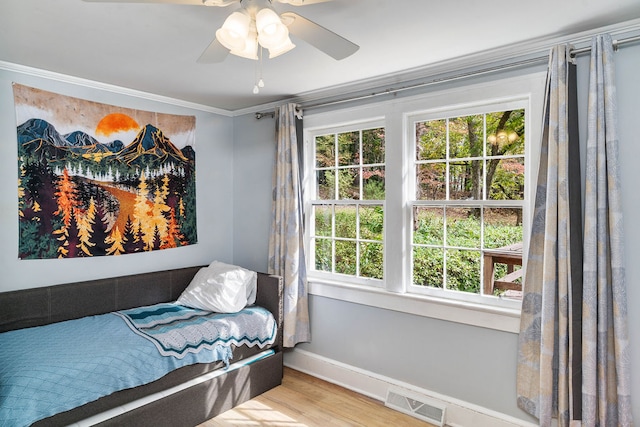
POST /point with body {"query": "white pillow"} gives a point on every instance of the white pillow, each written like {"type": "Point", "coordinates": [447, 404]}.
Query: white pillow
{"type": "Point", "coordinates": [220, 287]}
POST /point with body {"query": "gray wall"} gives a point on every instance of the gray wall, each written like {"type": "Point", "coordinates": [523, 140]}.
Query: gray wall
{"type": "Point", "coordinates": [214, 170]}
{"type": "Point", "coordinates": [465, 362]}
{"type": "Point", "coordinates": [254, 156]}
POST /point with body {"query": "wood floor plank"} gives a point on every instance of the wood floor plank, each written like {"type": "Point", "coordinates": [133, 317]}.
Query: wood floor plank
{"type": "Point", "coordinates": [306, 401]}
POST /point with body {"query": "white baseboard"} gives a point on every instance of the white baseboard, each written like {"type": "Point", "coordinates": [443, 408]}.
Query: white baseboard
{"type": "Point", "coordinates": [458, 413]}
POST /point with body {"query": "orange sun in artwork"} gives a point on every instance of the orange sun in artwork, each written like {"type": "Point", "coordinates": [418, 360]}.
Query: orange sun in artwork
{"type": "Point", "coordinates": [116, 122]}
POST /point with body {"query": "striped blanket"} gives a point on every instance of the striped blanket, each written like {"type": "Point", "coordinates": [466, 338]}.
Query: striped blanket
{"type": "Point", "coordinates": [177, 330]}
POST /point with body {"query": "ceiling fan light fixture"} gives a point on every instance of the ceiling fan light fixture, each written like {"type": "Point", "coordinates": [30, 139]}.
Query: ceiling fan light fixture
{"type": "Point", "coordinates": [234, 31]}
{"type": "Point", "coordinates": [282, 48]}
{"type": "Point", "coordinates": [250, 50]}
{"type": "Point", "coordinates": [276, 40]}
{"type": "Point", "coordinates": [272, 33]}
{"type": "Point", "coordinates": [267, 21]}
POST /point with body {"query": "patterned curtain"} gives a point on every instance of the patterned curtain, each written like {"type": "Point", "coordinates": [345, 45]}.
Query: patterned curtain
{"type": "Point", "coordinates": [286, 247]}
{"type": "Point", "coordinates": [606, 377]}
{"type": "Point", "coordinates": [549, 350]}
{"type": "Point", "coordinates": [574, 356]}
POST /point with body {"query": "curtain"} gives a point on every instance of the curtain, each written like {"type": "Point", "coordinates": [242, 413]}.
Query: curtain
{"type": "Point", "coordinates": [286, 241]}
{"type": "Point", "coordinates": [548, 350]}
{"type": "Point", "coordinates": [573, 350]}
{"type": "Point", "coordinates": [606, 358]}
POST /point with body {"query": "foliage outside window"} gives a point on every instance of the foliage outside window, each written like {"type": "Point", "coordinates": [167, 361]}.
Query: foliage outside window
{"type": "Point", "coordinates": [347, 213]}
{"type": "Point", "coordinates": [467, 198]}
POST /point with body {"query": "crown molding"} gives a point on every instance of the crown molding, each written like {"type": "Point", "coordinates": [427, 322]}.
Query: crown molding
{"type": "Point", "coordinates": [64, 78]}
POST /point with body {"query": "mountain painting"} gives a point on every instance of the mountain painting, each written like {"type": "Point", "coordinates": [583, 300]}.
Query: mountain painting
{"type": "Point", "coordinates": [98, 180]}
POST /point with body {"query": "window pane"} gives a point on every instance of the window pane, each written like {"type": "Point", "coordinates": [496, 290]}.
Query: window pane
{"type": "Point", "coordinates": [428, 267]}
{"type": "Point", "coordinates": [371, 222]}
{"type": "Point", "coordinates": [323, 254]}
{"type": "Point", "coordinates": [349, 183]}
{"type": "Point", "coordinates": [347, 233]}
{"type": "Point", "coordinates": [463, 227]}
{"type": "Point", "coordinates": [466, 136]}
{"type": "Point", "coordinates": [465, 180]}
{"type": "Point", "coordinates": [325, 185]}
{"type": "Point", "coordinates": [463, 270]}
{"type": "Point", "coordinates": [345, 257]}
{"type": "Point", "coordinates": [431, 140]}
{"type": "Point", "coordinates": [505, 133]}
{"type": "Point", "coordinates": [325, 151]}
{"type": "Point", "coordinates": [371, 260]}
{"type": "Point", "coordinates": [507, 181]}
{"type": "Point", "coordinates": [373, 146]}
{"type": "Point", "coordinates": [349, 148]}
{"type": "Point", "coordinates": [431, 181]}
{"type": "Point", "coordinates": [346, 221]}
{"type": "Point", "coordinates": [502, 227]}
{"type": "Point", "coordinates": [373, 183]}
{"type": "Point", "coordinates": [428, 226]}
{"type": "Point", "coordinates": [323, 215]}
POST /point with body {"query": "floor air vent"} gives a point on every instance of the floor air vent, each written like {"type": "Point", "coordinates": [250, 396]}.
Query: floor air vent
{"type": "Point", "coordinates": [416, 405]}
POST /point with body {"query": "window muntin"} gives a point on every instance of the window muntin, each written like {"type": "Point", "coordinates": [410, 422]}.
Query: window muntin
{"type": "Point", "coordinates": [467, 198]}
{"type": "Point", "coordinates": [347, 224]}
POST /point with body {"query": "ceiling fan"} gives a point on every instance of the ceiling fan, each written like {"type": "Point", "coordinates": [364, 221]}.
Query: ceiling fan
{"type": "Point", "coordinates": [256, 25]}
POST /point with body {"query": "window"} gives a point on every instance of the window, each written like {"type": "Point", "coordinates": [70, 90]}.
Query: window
{"type": "Point", "coordinates": [347, 209]}
{"type": "Point", "coordinates": [422, 204]}
{"type": "Point", "coordinates": [468, 191]}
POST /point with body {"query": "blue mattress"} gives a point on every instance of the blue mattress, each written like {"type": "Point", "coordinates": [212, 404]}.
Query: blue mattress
{"type": "Point", "coordinates": [50, 369]}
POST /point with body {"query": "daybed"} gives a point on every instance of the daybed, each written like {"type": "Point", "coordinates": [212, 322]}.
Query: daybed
{"type": "Point", "coordinates": [166, 401]}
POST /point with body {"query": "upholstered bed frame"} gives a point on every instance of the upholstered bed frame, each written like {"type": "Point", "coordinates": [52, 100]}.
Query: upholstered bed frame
{"type": "Point", "coordinates": [187, 407]}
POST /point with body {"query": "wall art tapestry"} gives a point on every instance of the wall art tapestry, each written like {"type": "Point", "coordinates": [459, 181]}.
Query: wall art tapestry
{"type": "Point", "coordinates": [96, 179]}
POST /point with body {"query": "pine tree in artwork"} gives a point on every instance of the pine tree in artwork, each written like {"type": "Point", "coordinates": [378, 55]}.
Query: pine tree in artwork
{"type": "Point", "coordinates": [116, 242]}
{"type": "Point", "coordinates": [85, 230]}
{"type": "Point", "coordinates": [143, 213]}
{"type": "Point", "coordinates": [66, 197]}
{"type": "Point", "coordinates": [129, 237]}
{"type": "Point", "coordinates": [182, 220]}
{"type": "Point", "coordinates": [73, 239]}
{"type": "Point", "coordinates": [21, 194]}
{"type": "Point", "coordinates": [157, 240]}
{"type": "Point", "coordinates": [100, 232]}
{"type": "Point", "coordinates": [69, 239]}
{"type": "Point", "coordinates": [165, 186]}
{"type": "Point", "coordinates": [159, 210]}
{"type": "Point", "coordinates": [140, 245]}
{"type": "Point", "coordinates": [174, 236]}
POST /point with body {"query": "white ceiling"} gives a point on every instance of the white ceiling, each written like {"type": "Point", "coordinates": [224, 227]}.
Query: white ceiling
{"type": "Point", "coordinates": [154, 47]}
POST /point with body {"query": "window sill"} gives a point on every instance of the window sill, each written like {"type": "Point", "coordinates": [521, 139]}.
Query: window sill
{"type": "Point", "coordinates": [497, 318]}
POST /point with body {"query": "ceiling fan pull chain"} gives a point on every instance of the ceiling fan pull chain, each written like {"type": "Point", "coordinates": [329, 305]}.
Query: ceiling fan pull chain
{"type": "Point", "coordinates": [258, 74]}
{"type": "Point", "coordinates": [261, 82]}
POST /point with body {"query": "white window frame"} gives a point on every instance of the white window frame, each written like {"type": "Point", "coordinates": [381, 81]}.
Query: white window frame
{"type": "Point", "coordinates": [519, 102]}
{"type": "Point", "coordinates": [311, 200]}
{"type": "Point", "coordinates": [395, 116]}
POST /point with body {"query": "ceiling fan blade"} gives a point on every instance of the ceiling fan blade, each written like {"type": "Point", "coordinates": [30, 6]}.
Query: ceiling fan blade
{"type": "Point", "coordinates": [302, 2]}
{"type": "Point", "coordinates": [316, 35]}
{"type": "Point", "coordinates": [189, 2]}
{"type": "Point", "coordinates": [214, 53]}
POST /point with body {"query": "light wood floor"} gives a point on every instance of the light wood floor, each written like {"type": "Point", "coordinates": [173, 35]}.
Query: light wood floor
{"type": "Point", "coordinates": [306, 401]}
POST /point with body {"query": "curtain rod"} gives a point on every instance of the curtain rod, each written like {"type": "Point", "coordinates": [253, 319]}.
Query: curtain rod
{"type": "Point", "coordinates": [616, 45]}
{"type": "Point", "coordinates": [574, 52]}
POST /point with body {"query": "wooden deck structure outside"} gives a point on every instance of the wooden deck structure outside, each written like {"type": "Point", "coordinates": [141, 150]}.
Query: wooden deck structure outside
{"type": "Point", "coordinates": [511, 256]}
